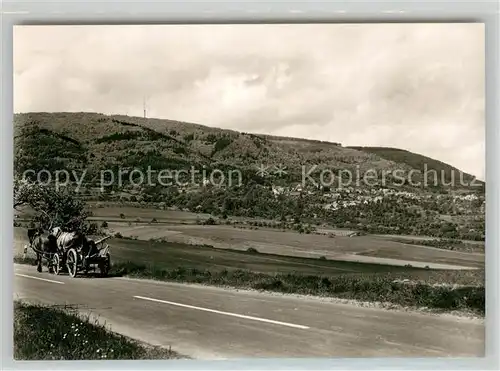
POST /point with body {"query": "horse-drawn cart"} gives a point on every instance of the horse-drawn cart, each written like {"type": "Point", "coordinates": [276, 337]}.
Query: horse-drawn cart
{"type": "Point", "coordinates": [72, 252]}
{"type": "Point", "coordinates": [69, 251]}
{"type": "Point", "coordinates": [76, 260]}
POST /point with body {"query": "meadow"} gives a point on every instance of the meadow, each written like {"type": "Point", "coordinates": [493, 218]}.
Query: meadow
{"type": "Point", "coordinates": [290, 243]}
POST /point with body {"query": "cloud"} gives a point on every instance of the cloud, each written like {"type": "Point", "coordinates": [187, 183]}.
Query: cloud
{"type": "Point", "coordinates": [414, 86]}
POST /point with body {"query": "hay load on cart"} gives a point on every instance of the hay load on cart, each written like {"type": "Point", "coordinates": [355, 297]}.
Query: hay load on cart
{"type": "Point", "coordinates": [84, 258]}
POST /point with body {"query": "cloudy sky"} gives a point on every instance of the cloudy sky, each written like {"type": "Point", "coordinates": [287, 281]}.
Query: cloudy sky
{"type": "Point", "coordinates": [418, 87]}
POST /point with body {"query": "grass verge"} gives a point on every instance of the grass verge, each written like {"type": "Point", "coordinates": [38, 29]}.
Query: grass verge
{"type": "Point", "coordinates": [445, 291]}
{"type": "Point", "coordinates": [385, 287]}
{"type": "Point", "coordinates": [55, 333]}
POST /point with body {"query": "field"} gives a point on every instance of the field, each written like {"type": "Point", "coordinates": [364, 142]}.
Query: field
{"type": "Point", "coordinates": [290, 243]}
{"type": "Point", "coordinates": [108, 212]}
{"type": "Point", "coordinates": [116, 212]}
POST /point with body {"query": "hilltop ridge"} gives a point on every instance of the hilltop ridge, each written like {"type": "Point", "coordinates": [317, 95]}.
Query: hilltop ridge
{"type": "Point", "coordinates": [93, 140]}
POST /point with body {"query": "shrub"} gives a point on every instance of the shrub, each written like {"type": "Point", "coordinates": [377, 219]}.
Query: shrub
{"type": "Point", "coordinates": [209, 221]}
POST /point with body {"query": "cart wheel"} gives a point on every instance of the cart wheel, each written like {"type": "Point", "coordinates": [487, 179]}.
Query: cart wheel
{"type": "Point", "coordinates": [72, 262]}
{"type": "Point", "coordinates": [56, 264]}
{"type": "Point", "coordinates": [105, 266]}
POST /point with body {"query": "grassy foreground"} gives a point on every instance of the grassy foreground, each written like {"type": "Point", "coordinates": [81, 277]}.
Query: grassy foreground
{"type": "Point", "coordinates": [52, 333]}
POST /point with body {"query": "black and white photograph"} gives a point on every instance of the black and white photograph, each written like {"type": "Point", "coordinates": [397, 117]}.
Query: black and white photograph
{"type": "Point", "coordinates": [230, 191]}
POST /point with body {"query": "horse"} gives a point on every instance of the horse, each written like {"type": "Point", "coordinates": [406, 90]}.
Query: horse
{"type": "Point", "coordinates": [44, 246]}
{"type": "Point", "coordinates": [32, 233]}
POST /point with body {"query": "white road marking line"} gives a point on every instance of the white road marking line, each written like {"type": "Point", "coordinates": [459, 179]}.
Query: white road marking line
{"type": "Point", "coordinates": [225, 313]}
{"type": "Point", "coordinates": [38, 278]}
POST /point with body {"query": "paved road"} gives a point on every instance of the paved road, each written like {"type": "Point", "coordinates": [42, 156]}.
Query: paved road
{"type": "Point", "coordinates": [215, 323]}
